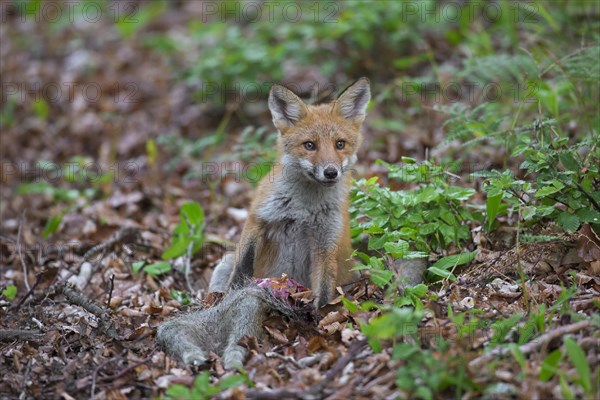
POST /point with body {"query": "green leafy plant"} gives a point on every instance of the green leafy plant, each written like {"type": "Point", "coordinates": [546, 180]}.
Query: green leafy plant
{"type": "Point", "coordinates": [579, 360]}
{"type": "Point", "coordinates": [188, 234]}
{"type": "Point", "coordinates": [566, 181]}
{"type": "Point", "coordinates": [138, 265]}
{"type": "Point", "coordinates": [132, 17]}
{"type": "Point", "coordinates": [502, 327]}
{"type": "Point", "coordinates": [81, 177]}
{"type": "Point", "coordinates": [203, 389]}
{"type": "Point", "coordinates": [187, 239]}
{"type": "Point", "coordinates": [577, 357]}
{"type": "Point", "coordinates": [41, 108]}
{"type": "Point", "coordinates": [408, 224]}
{"type": "Point", "coordinates": [378, 273]}
{"type": "Point", "coordinates": [157, 268]}
{"type": "Point", "coordinates": [559, 178]}
{"type": "Point", "coordinates": [412, 296]}
{"type": "Point", "coordinates": [252, 156]}
{"type": "Point", "coordinates": [422, 373]}
{"type": "Point", "coordinates": [181, 296]}
{"type": "Point", "coordinates": [430, 217]}
{"type": "Point", "coordinates": [154, 269]}
{"type": "Point", "coordinates": [10, 292]}
{"type": "Point", "coordinates": [566, 188]}
{"type": "Point", "coordinates": [550, 365]}
{"type": "Point", "coordinates": [52, 225]}
{"type": "Point", "coordinates": [444, 267]}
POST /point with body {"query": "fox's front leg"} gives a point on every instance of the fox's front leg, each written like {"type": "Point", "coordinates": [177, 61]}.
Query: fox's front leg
{"type": "Point", "coordinates": [324, 274]}
{"type": "Point", "coordinates": [234, 268]}
{"type": "Point", "coordinates": [243, 268]}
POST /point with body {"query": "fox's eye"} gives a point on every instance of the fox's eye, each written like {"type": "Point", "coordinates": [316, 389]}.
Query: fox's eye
{"type": "Point", "coordinates": [340, 144]}
{"type": "Point", "coordinates": [310, 146]}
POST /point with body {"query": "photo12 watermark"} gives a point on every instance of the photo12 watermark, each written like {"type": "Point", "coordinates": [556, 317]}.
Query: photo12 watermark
{"type": "Point", "coordinates": [62, 92]}
{"type": "Point", "coordinates": [470, 10]}
{"type": "Point", "coordinates": [86, 172]}
{"type": "Point", "coordinates": [323, 12]}
{"type": "Point", "coordinates": [465, 91]}
{"type": "Point", "coordinates": [71, 11]}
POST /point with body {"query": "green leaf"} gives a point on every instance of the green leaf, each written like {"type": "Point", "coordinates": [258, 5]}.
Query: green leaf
{"type": "Point", "coordinates": [360, 267]}
{"type": "Point", "coordinates": [181, 229]}
{"type": "Point", "coordinates": [427, 194]}
{"type": "Point", "coordinates": [442, 273]}
{"type": "Point", "coordinates": [381, 278]}
{"type": "Point", "coordinates": [371, 181]}
{"type": "Point", "coordinates": [569, 162]}
{"type": "Point", "coordinates": [194, 213]}
{"type": "Point", "coordinates": [10, 292]}
{"type": "Point", "coordinates": [397, 250]}
{"type": "Point", "coordinates": [179, 391]}
{"type": "Point", "coordinates": [459, 193]}
{"type": "Point", "coordinates": [128, 23]}
{"type": "Point", "coordinates": [564, 388]}
{"type": "Point", "coordinates": [423, 392]}
{"type": "Point", "coordinates": [151, 151]}
{"type": "Point", "coordinates": [137, 266]}
{"type": "Point", "coordinates": [546, 191]}
{"type": "Point", "coordinates": [549, 365]}
{"type": "Point", "coordinates": [157, 268]}
{"type": "Point", "coordinates": [202, 383]}
{"type": "Point", "coordinates": [569, 222]}
{"type": "Point", "coordinates": [491, 207]}
{"type": "Point", "coordinates": [403, 351]}
{"type": "Point", "coordinates": [376, 263]}
{"type": "Point", "coordinates": [452, 261]}
{"type": "Point", "coordinates": [419, 290]}
{"type": "Point", "coordinates": [51, 225]}
{"type": "Point", "coordinates": [427, 229]}
{"type": "Point", "coordinates": [181, 296]}
{"type": "Point", "coordinates": [350, 306]}
{"type": "Point", "coordinates": [518, 355]}
{"type": "Point", "coordinates": [177, 248]}
{"type": "Point", "coordinates": [588, 215]}
{"type": "Point", "coordinates": [377, 242]}
{"type": "Point", "coordinates": [41, 109]}
{"type": "Point", "coordinates": [231, 382]}
{"type": "Point", "coordinates": [502, 327]}
{"type": "Point", "coordinates": [579, 360]}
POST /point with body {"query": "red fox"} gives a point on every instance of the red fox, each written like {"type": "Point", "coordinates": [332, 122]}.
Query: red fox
{"type": "Point", "coordinates": [297, 225]}
{"type": "Point", "coordinates": [298, 222]}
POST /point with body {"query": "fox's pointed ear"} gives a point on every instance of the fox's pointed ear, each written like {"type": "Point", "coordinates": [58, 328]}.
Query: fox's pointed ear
{"type": "Point", "coordinates": [352, 102]}
{"type": "Point", "coordinates": [286, 108]}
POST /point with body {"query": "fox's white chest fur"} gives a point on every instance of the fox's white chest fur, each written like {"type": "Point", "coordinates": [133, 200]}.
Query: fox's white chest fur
{"type": "Point", "coordinates": [300, 218]}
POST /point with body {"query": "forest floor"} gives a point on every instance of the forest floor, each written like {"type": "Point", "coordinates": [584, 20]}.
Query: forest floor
{"type": "Point", "coordinates": [96, 337]}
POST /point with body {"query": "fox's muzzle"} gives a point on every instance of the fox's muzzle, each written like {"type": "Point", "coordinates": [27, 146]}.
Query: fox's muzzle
{"type": "Point", "coordinates": [328, 173]}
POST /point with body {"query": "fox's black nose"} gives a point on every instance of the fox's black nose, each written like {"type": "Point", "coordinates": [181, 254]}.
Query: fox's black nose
{"type": "Point", "coordinates": [330, 172]}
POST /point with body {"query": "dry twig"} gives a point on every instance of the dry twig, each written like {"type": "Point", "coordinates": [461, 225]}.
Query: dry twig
{"type": "Point", "coordinates": [7, 335]}
{"type": "Point", "coordinates": [530, 347]}
{"type": "Point", "coordinates": [80, 300]}
{"type": "Point", "coordinates": [110, 292]}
